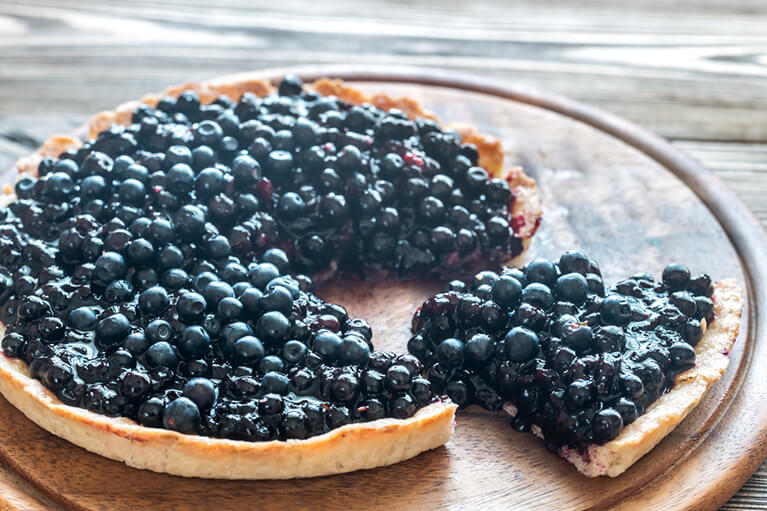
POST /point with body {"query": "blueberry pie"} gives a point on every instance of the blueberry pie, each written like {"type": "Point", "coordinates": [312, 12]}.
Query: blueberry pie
{"type": "Point", "coordinates": [601, 375]}
{"type": "Point", "coordinates": [156, 281]}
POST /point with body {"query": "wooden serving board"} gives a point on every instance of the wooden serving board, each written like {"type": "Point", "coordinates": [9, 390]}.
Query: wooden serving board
{"type": "Point", "coordinates": [628, 199]}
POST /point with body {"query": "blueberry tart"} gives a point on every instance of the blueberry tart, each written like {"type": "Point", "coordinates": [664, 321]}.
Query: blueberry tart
{"type": "Point", "coordinates": [601, 374]}
{"type": "Point", "coordinates": [156, 281]}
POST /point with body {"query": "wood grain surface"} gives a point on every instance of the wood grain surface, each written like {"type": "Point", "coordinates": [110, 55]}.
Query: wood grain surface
{"type": "Point", "coordinates": [692, 71]}
{"type": "Point", "coordinates": [580, 170]}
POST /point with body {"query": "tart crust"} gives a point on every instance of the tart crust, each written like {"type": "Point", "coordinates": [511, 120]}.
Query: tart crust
{"type": "Point", "coordinates": [711, 360]}
{"type": "Point", "coordinates": [345, 449]}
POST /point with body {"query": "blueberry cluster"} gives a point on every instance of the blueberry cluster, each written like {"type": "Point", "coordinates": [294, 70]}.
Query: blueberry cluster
{"type": "Point", "coordinates": [154, 272]}
{"type": "Point", "coordinates": [574, 360]}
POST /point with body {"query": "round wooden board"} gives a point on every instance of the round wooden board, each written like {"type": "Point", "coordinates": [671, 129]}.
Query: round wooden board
{"type": "Point", "coordinates": [626, 197]}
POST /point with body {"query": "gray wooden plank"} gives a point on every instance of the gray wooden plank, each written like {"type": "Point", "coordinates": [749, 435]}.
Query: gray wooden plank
{"type": "Point", "coordinates": [674, 75]}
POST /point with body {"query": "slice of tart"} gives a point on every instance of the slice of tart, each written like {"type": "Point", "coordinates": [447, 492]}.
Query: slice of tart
{"type": "Point", "coordinates": [153, 297]}
{"type": "Point", "coordinates": [602, 376]}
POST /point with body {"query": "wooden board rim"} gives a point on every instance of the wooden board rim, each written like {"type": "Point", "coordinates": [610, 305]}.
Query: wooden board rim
{"type": "Point", "coordinates": [739, 223]}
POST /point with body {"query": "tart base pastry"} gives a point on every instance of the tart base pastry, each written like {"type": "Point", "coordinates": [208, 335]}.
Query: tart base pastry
{"type": "Point", "coordinates": [345, 449]}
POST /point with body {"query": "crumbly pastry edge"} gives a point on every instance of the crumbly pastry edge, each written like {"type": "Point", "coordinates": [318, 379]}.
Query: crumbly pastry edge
{"type": "Point", "coordinates": [345, 449]}
{"type": "Point", "coordinates": [641, 436]}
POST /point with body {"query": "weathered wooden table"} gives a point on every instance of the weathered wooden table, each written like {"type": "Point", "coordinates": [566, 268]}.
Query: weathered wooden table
{"type": "Point", "coordinates": [694, 72]}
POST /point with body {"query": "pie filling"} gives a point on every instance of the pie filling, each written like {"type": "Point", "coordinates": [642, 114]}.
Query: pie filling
{"type": "Point", "coordinates": [158, 272]}
{"type": "Point", "coordinates": [566, 357]}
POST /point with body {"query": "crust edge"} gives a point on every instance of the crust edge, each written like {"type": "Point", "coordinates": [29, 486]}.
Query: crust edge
{"type": "Point", "coordinates": [345, 449]}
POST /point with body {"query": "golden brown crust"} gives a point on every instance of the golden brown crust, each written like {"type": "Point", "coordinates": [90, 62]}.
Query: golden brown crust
{"type": "Point", "coordinates": [639, 437]}
{"type": "Point", "coordinates": [345, 449]}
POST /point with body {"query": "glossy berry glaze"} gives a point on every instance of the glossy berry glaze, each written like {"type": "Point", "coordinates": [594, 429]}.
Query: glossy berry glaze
{"type": "Point", "coordinates": [148, 274]}
{"type": "Point", "coordinates": [548, 343]}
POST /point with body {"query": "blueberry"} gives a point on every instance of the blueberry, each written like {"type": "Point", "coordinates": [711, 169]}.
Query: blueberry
{"type": "Point", "coordinates": [704, 308]}
{"type": "Point", "coordinates": [615, 310]}
{"type": "Point", "coordinates": [251, 301]}
{"type": "Point", "coordinates": [83, 318]}
{"type": "Point", "coordinates": [294, 424]}
{"type": "Point", "coordinates": [112, 330]}
{"type": "Point", "coordinates": [134, 384]}
{"type": "Point", "coordinates": [274, 382]}
{"type": "Point", "coordinates": [174, 279]}
{"type": "Point", "coordinates": [574, 261]}
{"type": "Point", "coordinates": [676, 277]}
{"type": "Point", "coordinates": [182, 415]}
{"type": "Point", "coordinates": [277, 299]}
{"type": "Point", "coordinates": [230, 333]}
{"type": "Point", "coordinates": [293, 351]}
{"type": "Point", "coordinates": [158, 330]}
{"type": "Point", "coordinates": [328, 345]}
{"type": "Point", "coordinates": [202, 392]}
{"type": "Point", "coordinates": [478, 349]}
{"type": "Point", "coordinates": [682, 355]}
{"type": "Point", "coordinates": [521, 344]}
{"type": "Point", "coordinates": [539, 295]}
{"type": "Point", "coordinates": [271, 363]}
{"type": "Point", "coordinates": [685, 302]}
{"type": "Point", "coordinates": [228, 309]}
{"type": "Point", "coordinates": [153, 301]}
{"type": "Point", "coordinates": [403, 406]}
{"type": "Point", "coordinates": [459, 392]}
{"type": "Point", "coordinates": [610, 338]}
{"type": "Point", "coordinates": [572, 287]}
{"type": "Point", "coordinates": [290, 85]}
{"type": "Point", "coordinates": [273, 327]}
{"type": "Point", "coordinates": [161, 354]}
{"type": "Point", "coordinates": [507, 291]}
{"type": "Point", "coordinates": [110, 266]}
{"type": "Point", "coordinates": [692, 332]}
{"type": "Point", "coordinates": [193, 342]}
{"type": "Point", "coordinates": [215, 292]}
{"type": "Point", "coordinates": [132, 191]}
{"type": "Point", "coordinates": [136, 343]}
{"type": "Point", "coordinates": [161, 231]}
{"type": "Point", "coordinates": [398, 378]}
{"type": "Point", "coordinates": [260, 274]}
{"type": "Point", "coordinates": [58, 186]}
{"type": "Point", "coordinates": [577, 336]}
{"type": "Point", "coordinates": [12, 344]}
{"type": "Point", "coordinates": [627, 410]}
{"type": "Point", "coordinates": [541, 270]}
{"type": "Point", "coordinates": [191, 307]}
{"type": "Point", "coordinates": [150, 412]}
{"type": "Point", "coordinates": [607, 425]}
{"type": "Point", "coordinates": [450, 352]}
{"type": "Point", "coordinates": [700, 286]}
{"type": "Point", "coordinates": [271, 404]}
{"type": "Point", "coordinates": [209, 182]}
{"type": "Point", "coordinates": [247, 350]}
{"type": "Point", "coordinates": [354, 351]}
